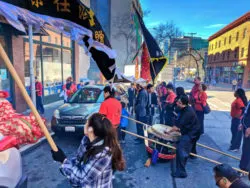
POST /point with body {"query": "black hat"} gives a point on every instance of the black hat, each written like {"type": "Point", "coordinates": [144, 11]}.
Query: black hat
{"type": "Point", "coordinates": [170, 86]}
{"type": "Point", "coordinates": [149, 86]}
{"type": "Point", "coordinates": [225, 170]}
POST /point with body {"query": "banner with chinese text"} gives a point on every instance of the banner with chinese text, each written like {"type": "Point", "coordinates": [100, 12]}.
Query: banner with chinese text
{"type": "Point", "coordinates": [78, 13]}
{"type": "Point", "coordinates": [157, 59]}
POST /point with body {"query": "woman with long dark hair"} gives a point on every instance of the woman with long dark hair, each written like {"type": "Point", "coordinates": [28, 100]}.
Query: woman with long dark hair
{"type": "Point", "coordinates": [237, 109]}
{"type": "Point", "coordinates": [98, 156]}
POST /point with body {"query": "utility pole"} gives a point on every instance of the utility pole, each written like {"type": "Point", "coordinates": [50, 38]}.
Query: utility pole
{"type": "Point", "coordinates": [192, 36]}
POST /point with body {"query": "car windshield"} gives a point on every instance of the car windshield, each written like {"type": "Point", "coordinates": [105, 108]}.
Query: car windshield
{"type": "Point", "coordinates": [87, 95]}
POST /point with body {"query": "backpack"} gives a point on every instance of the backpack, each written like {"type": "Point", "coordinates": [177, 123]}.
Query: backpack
{"type": "Point", "coordinates": [206, 109]}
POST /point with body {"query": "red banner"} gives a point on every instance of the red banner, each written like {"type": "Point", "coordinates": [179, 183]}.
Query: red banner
{"type": "Point", "coordinates": [145, 63]}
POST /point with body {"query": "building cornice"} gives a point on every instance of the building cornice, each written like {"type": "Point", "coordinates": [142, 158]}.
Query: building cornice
{"type": "Point", "coordinates": [239, 21]}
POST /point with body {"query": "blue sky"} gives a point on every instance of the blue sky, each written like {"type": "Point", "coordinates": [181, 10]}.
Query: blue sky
{"type": "Point", "coordinates": [203, 17]}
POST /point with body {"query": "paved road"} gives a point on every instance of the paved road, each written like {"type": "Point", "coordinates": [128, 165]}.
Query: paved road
{"type": "Point", "coordinates": [43, 172]}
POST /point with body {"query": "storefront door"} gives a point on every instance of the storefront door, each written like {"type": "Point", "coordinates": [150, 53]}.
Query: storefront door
{"type": "Point", "coordinates": [5, 79]}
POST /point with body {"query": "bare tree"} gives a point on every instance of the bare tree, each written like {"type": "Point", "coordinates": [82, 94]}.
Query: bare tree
{"type": "Point", "coordinates": [198, 57]}
{"type": "Point", "coordinates": [125, 29]}
{"type": "Point", "coordinates": [166, 32]}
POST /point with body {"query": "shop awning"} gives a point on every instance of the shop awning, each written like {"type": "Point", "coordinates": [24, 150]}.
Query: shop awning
{"type": "Point", "coordinates": [90, 35]}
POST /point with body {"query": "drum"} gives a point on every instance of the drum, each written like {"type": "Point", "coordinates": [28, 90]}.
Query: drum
{"type": "Point", "coordinates": [160, 131]}
{"type": "Point", "coordinates": [157, 132]}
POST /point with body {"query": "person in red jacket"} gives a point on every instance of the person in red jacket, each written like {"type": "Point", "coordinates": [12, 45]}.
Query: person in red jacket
{"type": "Point", "coordinates": [169, 115]}
{"type": "Point", "coordinates": [111, 108]}
{"type": "Point", "coordinates": [237, 110]}
{"type": "Point", "coordinates": [195, 90]}
{"type": "Point", "coordinates": [69, 88]}
{"type": "Point", "coordinates": [39, 94]}
{"type": "Point", "coordinates": [200, 99]}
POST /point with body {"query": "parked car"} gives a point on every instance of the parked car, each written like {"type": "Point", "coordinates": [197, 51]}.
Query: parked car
{"type": "Point", "coordinates": [71, 117]}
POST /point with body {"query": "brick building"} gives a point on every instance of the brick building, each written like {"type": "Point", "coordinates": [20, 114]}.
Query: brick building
{"type": "Point", "coordinates": [56, 57]}
{"type": "Point", "coordinates": [229, 53]}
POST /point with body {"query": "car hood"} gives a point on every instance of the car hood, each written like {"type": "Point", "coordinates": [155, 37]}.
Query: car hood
{"type": "Point", "coordinates": [77, 109]}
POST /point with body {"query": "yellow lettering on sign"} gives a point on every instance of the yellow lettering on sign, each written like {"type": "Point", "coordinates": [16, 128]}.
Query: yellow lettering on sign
{"type": "Point", "coordinates": [84, 14]}
{"type": "Point", "coordinates": [62, 5]}
{"type": "Point", "coordinates": [99, 36]}
{"type": "Point", "coordinates": [91, 18]}
{"type": "Point", "coordinates": [37, 3]}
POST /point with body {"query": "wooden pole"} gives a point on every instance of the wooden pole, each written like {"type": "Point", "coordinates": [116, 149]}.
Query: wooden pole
{"type": "Point", "coordinates": [215, 150]}
{"type": "Point", "coordinates": [201, 145]}
{"type": "Point", "coordinates": [172, 147]}
{"type": "Point", "coordinates": [27, 97]}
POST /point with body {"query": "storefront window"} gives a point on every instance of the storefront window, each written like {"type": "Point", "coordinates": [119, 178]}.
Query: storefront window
{"type": "Point", "coordinates": [4, 75]}
{"type": "Point", "coordinates": [52, 70]}
{"type": "Point", "coordinates": [36, 64]}
{"type": "Point", "coordinates": [53, 66]}
{"type": "Point", "coordinates": [66, 41]}
{"type": "Point", "coordinates": [67, 66]}
{"type": "Point", "coordinates": [52, 38]}
{"type": "Point", "coordinates": [226, 74]}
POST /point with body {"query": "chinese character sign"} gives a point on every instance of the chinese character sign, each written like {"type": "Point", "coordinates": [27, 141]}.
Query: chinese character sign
{"type": "Point", "coordinates": [62, 5]}
{"type": "Point", "coordinates": [75, 11]}
{"type": "Point", "coordinates": [37, 3]}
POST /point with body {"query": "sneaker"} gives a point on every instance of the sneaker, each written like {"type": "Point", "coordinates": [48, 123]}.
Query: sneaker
{"type": "Point", "coordinates": [234, 150]}
{"type": "Point", "coordinates": [175, 175]}
{"type": "Point", "coordinates": [138, 142]}
{"type": "Point", "coordinates": [192, 157]}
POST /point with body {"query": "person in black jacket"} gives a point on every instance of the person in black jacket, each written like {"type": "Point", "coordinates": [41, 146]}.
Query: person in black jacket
{"type": "Point", "coordinates": [188, 124]}
{"type": "Point", "coordinates": [226, 177]}
{"type": "Point", "coordinates": [245, 125]}
{"type": "Point", "coordinates": [140, 109]}
{"type": "Point", "coordinates": [131, 98]}
{"type": "Point", "coordinates": [152, 103]}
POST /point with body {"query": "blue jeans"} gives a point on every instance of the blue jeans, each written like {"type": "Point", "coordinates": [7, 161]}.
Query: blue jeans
{"type": "Point", "coordinates": [139, 126]}
{"type": "Point", "coordinates": [245, 157]}
{"type": "Point", "coordinates": [200, 116]}
{"type": "Point", "coordinates": [236, 134]}
{"type": "Point", "coordinates": [184, 147]}
{"type": "Point", "coordinates": [39, 104]}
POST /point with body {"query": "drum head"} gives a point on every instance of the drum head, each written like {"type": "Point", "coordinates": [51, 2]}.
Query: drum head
{"type": "Point", "coordinates": [159, 131]}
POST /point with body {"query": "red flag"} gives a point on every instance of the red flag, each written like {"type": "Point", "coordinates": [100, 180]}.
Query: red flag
{"type": "Point", "coordinates": [145, 63]}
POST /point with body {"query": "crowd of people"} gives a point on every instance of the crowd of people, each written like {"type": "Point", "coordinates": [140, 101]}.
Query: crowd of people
{"type": "Point", "coordinates": [99, 154]}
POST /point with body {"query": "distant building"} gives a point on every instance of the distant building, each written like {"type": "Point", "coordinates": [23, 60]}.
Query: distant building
{"type": "Point", "coordinates": [110, 13]}
{"type": "Point", "coordinates": [175, 48]}
{"type": "Point", "coordinates": [229, 52]}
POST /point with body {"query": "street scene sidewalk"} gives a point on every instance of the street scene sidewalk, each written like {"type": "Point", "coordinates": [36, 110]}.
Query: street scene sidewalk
{"type": "Point", "coordinates": [217, 135]}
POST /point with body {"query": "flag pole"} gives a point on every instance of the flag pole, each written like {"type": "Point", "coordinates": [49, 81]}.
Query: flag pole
{"type": "Point", "coordinates": [32, 76]}
{"type": "Point", "coordinates": [27, 97]}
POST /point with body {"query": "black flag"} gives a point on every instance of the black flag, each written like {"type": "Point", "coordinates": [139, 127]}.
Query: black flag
{"type": "Point", "coordinates": [157, 59]}
{"type": "Point", "coordinates": [77, 12]}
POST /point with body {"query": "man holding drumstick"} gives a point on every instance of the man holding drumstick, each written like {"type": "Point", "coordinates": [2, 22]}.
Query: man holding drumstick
{"type": "Point", "coordinates": [188, 124]}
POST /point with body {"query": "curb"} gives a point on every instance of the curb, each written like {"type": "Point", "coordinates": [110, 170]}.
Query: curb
{"type": "Point", "coordinates": [30, 147]}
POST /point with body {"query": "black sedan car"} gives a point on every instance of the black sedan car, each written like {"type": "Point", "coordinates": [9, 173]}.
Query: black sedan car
{"type": "Point", "coordinates": [71, 117]}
